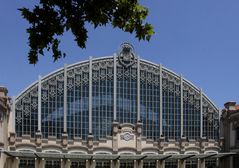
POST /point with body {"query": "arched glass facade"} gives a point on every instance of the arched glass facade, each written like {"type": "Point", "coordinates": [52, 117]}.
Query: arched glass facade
{"type": "Point", "coordinates": [85, 98]}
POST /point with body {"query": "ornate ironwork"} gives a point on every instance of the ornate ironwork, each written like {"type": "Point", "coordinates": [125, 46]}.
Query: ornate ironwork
{"type": "Point", "coordinates": [52, 89]}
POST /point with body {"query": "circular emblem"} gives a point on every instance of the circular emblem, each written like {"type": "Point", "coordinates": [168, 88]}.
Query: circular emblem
{"type": "Point", "coordinates": [126, 55]}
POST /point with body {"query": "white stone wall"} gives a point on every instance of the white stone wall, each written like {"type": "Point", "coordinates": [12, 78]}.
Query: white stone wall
{"type": "Point", "coordinates": [4, 125]}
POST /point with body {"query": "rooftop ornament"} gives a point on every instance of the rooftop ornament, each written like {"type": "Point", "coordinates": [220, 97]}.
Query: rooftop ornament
{"type": "Point", "coordinates": [126, 55]}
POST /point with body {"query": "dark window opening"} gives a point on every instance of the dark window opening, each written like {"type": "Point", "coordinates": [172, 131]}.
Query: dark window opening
{"type": "Point", "coordinates": [237, 133]}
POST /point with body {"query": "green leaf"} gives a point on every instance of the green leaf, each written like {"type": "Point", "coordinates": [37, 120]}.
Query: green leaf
{"type": "Point", "coordinates": [50, 19]}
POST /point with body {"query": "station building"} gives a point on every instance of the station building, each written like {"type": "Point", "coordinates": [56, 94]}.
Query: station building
{"type": "Point", "coordinates": [230, 133]}
{"type": "Point", "coordinates": [117, 111]}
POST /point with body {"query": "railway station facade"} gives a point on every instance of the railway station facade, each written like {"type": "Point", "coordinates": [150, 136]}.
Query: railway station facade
{"type": "Point", "coordinates": [116, 111]}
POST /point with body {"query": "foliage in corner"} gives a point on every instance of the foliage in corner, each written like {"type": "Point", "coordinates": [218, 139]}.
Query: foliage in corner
{"type": "Point", "coordinates": [49, 19]}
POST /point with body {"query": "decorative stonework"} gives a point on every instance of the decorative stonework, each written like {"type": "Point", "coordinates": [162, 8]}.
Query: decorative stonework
{"type": "Point", "coordinates": [38, 139]}
{"type": "Point", "coordinates": [115, 149]}
{"type": "Point", "coordinates": [64, 140]}
{"type": "Point", "coordinates": [127, 136]}
{"type": "Point", "coordinates": [126, 55]}
{"type": "Point", "coordinates": [90, 143]}
{"type": "Point", "coordinates": [12, 139]}
{"type": "Point", "coordinates": [115, 126]}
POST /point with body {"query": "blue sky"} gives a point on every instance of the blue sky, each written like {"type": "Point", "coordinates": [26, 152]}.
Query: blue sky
{"type": "Point", "coordinates": [198, 39]}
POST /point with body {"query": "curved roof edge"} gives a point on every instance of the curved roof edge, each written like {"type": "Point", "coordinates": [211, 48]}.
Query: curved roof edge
{"type": "Point", "coordinates": [106, 57]}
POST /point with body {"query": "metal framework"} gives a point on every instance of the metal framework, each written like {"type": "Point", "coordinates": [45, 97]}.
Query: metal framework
{"type": "Point", "coordinates": [88, 96]}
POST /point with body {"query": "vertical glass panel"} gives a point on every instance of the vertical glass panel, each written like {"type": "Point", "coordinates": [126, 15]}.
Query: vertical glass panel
{"type": "Point", "coordinates": [19, 117]}
{"type": "Point", "coordinates": [78, 102]}
{"type": "Point", "coordinates": [171, 106]}
{"type": "Point", "coordinates": [127, 94]}
{"type": "Point", "coordinates": [52, 106]}
{"type": "Point", "coordinates": [102, 98]}
{"type": "Point", "coordinates": [210, 121]}
{"type": "Point", "coordinates": [191, 112]}
{"type": "Point", "coordinates": [149, 101]}
{"type": "Point", "coordinates": [27, 113]}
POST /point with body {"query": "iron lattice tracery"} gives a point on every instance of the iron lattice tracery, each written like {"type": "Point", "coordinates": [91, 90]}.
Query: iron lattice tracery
{"type": "Point", "coordinates": [185, 111]}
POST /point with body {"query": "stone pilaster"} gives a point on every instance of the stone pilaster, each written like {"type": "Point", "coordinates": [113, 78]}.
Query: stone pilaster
{"type": "Point", "coordinates": [183, 144]}
{"type": "Point", "coordinates": [140, 164]}
{"type": "Point", "coordinates": [161, 144]}
{"type": "Point", "coordinates": [90, 143]}
{"type": "Point", "coordinates": [64, 142]}
{"type": "Point", "coordinates": [12, 140]}
{"type": "Point", "coordinates": [201, 163]}
{"type": "Point", "coordinates": [87, 164]}
{"type": "Point", "coordinates": [12, 162]}
{"type": "Point", "coordinates": [203, 144]}
{"type": "Point", "coordinates": [160, 164]}
{"type": "Point", "coordinates": [222, 143]}
{"type": "Point", "coordinates": [66, 163]}
{"type": "Point", "coordinates": [114, 137]}
{"type": "Point", "coordinates": [40, 163]}
{"type": "Point", "coordinates": [38, 141]}
{"type": "Point", "coordinates": [135, 164]}
{"type": "Point", "coordinates": [181, 163]}
{"type": "Point", "coordinates": [93, 164]}
{"type": "Point", "coordinates": [115, 163]}
{"type": "Point", "coordinates": [139, 137]}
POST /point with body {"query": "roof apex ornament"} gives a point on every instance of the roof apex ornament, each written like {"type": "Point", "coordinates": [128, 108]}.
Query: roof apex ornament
{"type": "Point", "coordinates": [126, 55]}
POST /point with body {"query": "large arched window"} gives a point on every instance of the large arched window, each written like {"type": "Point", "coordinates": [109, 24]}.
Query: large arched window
{"type": "Point", "coordinates": [90, 94]}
